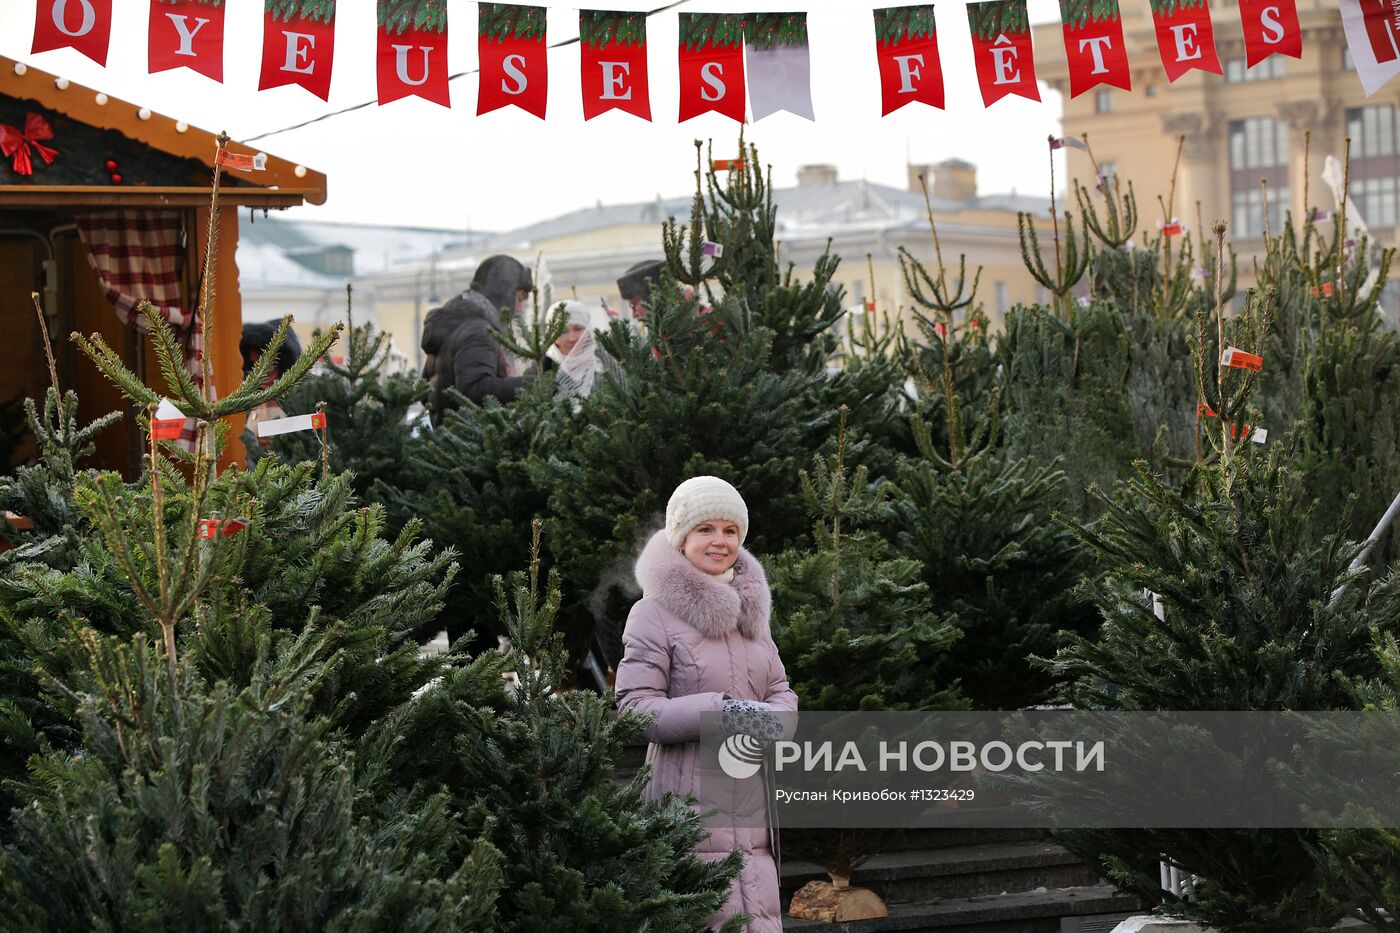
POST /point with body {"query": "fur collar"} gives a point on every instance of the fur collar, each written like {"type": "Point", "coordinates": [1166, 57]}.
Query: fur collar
{"type": "Point", "coordinates": [710, 607]}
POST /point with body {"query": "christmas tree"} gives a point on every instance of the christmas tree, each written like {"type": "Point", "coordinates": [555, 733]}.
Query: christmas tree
{"type": "Point", "coordinates": [1231, 555]}
{"type": "Point", "coordinates": [374, 412]}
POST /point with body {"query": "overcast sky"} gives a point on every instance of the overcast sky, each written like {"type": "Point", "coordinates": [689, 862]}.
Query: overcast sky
{"type": "Point", "coordinates": [414, 162]}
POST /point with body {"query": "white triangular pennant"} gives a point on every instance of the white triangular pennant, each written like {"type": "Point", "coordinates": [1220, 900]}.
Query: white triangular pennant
{"type": "Point", "coordinates": [780, 78]}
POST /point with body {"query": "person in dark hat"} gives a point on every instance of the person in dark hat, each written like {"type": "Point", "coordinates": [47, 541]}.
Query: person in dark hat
{"type": "Point", "coordinates": [636, 284]}
{"type": "Point", "coordinates": [256, 337]}
{"type": "Point", "coordinates": [459, 349]}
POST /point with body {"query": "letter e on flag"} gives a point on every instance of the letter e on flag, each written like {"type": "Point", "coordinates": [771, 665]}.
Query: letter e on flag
{"type": "Point", "coordinates": [298, 51]}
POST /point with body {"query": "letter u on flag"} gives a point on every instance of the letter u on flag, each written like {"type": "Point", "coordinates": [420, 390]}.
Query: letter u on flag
{"type": "Point", "coordinates": [188, 33]}
{"type": "Point", "coordinates": [906, 49]}
{"type": "Point", "coordinates": [712, 65]}
{"type": "Point", "coordinates": [613, 56]}
{"type": "Point", "coordinates": [778, 63]}
{"type": "Point", "coordinates": [411, 54]}
{"type": "Point", "coordinates": [1185, 36]}
{"type": "Point", "coordinates": [1001, 49]}
{"type": "Point", "coordinates": [298, 45]}
{"type": "Point", "coordinates": [84, 25]}
{"type": "Point", "coordinates": [1094, 46]}
{"type": "Point", "coordinates": [513, 56]}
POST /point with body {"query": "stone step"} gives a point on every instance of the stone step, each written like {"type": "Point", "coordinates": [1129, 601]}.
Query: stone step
{"type": "Point", "coordinates": [1038, 911]}
{"type": "Point", "coordinates": [924, 875]}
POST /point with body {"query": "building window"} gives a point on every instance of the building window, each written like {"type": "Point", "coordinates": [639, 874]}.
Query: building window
{"type": "Point", "coordinates": [1375, 174]}
{"type": "Point", "coordinates": [1103, 101]}
{"type": "Point", "coordinates": [1258, 153]}
{"type": "Point", "coordinates": [1268, 69]}
{"type": "Point", "coordinates": [1348, 63]}
{"type": "Point", "coordinates": [1001, 298]}
{"type": "Point", "coordinates": [1150, 90]}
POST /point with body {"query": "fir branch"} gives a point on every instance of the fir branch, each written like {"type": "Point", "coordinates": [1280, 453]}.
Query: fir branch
{"type": "Point", "coordinates": [322, 11]}
{"type": "Point", "coordinates": [397, 16]}
{"type": "Point", "coordinates": [993, 18]}
{"type": "Point", "coordinates": [1076, 13]}
{"type": "Point", "coordinates": [601, 28]}
{"type": "Point", "coordinates": [1167, 8]}
{"type": "Point", "coordinates": [719, 30]}
{"type": "Point", "coordinates": [764, 31]}
{"type": "Point", "coordinates": [897, 24]}
{"type": "Point", "coordinates": [501, 21]}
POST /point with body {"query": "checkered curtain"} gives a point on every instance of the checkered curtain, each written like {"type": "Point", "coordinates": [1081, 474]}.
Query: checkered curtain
{"type": "Point", "coordinates": [136, 255]}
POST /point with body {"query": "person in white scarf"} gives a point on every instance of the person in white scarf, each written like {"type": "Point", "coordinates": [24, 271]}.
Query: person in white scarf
{"type": "Point", "coordinates": [577, 354]}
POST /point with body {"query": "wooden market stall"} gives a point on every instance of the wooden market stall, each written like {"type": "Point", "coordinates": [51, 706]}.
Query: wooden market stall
{"type": "Point", "coordinates": [103, 203]}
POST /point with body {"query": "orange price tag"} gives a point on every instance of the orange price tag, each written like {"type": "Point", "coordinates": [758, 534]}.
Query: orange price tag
{"type": "Point", "coordinates": [727, 165]}
{"type": "Point", "coordinates": [318, 421]}
{"type": "Point", "coordinates": [1234, 356]}
{"type": "Point", "coordinates": [241, 162]}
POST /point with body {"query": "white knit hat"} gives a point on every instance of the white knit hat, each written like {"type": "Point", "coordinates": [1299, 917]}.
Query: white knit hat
{"type": "Point", "coordinates": [700, 499]}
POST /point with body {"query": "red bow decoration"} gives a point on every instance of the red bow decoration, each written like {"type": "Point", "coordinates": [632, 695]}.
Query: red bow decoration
{"type": "Point", "coordinates": [15, 144]}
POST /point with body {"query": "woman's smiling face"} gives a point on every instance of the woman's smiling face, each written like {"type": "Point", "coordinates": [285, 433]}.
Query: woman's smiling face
{"type": "Point", "coordinates": [712, 546]}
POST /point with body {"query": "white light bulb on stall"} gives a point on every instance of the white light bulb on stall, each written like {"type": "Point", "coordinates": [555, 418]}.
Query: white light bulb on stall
{"type": "Point", "coordinates": [101, 100]}
{"type": "Point", "coordinates": [61, 83]}
{"type": "Point", "coordinates": [21, 68]}
{"type": "Point", "coordinates": [144, 113]}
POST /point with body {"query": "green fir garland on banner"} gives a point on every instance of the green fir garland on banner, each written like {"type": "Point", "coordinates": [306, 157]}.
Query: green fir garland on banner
{"type": "Point", "coordinates": [720, 29]}
{"type": "Point", "coordinates": [766, 31]}
{"type": "Point", "coordinates": [200, 2]}
{"type": "Point", "coordinates": [1076, 13]}
{"type": "Point", "coordinates": [501, 21]}
{"type": "Point", "coordinates": [598, 28]}
{"type": "Point", "coordinates": [897, 23]}
{"type": "Point", "coordinates": [1171, 7]}
{"type": "Point", "coordinates": [396, 16]}
{"type": "Point", "coordinates": [997, 17]}
{"type": "Point", "coordinates": [288, 10]}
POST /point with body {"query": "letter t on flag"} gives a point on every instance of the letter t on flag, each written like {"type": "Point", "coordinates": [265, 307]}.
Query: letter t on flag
{"type": "Point", "coordinates": [187, 33]}
{"type": "Point", "coordinates": [613, 51]}
{"type": "Point", "coordinates": [711, 65]}
{"type": "Point", "coordinates": [298, 45]}
{"type": "Point", "coordinates": [514, 59]}
{"type": "Point", "coordinates": [1094, 46]}
{"type": "Point", "coordinates": [83, 25]}
{"type": "Point", "coordinates": [1001, 49]}
{"type": "Point", "coordinates": [411, 54]}
{"type": "Point", "coordinates": [906, 49]}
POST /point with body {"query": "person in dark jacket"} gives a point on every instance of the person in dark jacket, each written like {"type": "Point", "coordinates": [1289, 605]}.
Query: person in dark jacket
{"type": "Point", "coordinates": [460, 351]}
{"type": "Point", "coordinates": [636, 284]}
{"type": "Point", "coordinates": [255, 339]}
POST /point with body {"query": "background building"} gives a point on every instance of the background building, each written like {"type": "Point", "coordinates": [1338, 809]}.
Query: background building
{"type": "Point", "coordinates": [1238, 129]}
{"type": "Point", "coordinates": [400, 274]}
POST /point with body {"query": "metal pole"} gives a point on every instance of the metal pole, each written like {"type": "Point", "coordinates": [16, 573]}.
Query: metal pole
{"type": "Point", "coordinates": [1371, 543]}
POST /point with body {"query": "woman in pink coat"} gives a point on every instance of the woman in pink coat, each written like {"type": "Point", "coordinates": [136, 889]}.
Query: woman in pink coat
{"type": "Point", "coordinates": [696, 642]}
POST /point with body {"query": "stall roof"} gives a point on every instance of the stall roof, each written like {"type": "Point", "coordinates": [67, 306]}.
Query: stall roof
{"type": "Point", "coordinates": [282, 184]}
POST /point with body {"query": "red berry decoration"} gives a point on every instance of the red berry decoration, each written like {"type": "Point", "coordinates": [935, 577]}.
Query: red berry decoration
{"type": "Point", "coordinates": [116, 179]}
{"type": "Point", "coordinates": [111, 165]}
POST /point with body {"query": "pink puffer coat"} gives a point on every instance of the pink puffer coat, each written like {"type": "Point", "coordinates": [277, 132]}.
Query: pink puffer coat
{"type": "Point", "coordinates": [692, 641]}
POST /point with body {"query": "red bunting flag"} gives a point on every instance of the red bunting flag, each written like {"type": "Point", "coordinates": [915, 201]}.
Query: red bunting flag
{"type": "Point", "coordinates": [1094, 46]}
{"type": "Point", "coordinates": [188, 33]}
{"type": "Point", "coordinates": [1001, 48]}
{"type": "Point", "coordinates": [84, 25]}
{"type": "Point", "coordinates": [613, 55]}
{"type": "Point", "coordinates": [712, 65]}
{"type": "Point", "coordinates": [1270, 27]}
{"type": "Point", "coordinates": [411, 52]}
{"type": "Point", "coordinates": [906, 50]}
{"type": "Point", "coordinates": [298, 45]}
{"type": "Point", "coordinates": [1185, 36]}
{"type": "Point", "coordinates": [514, 60]}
